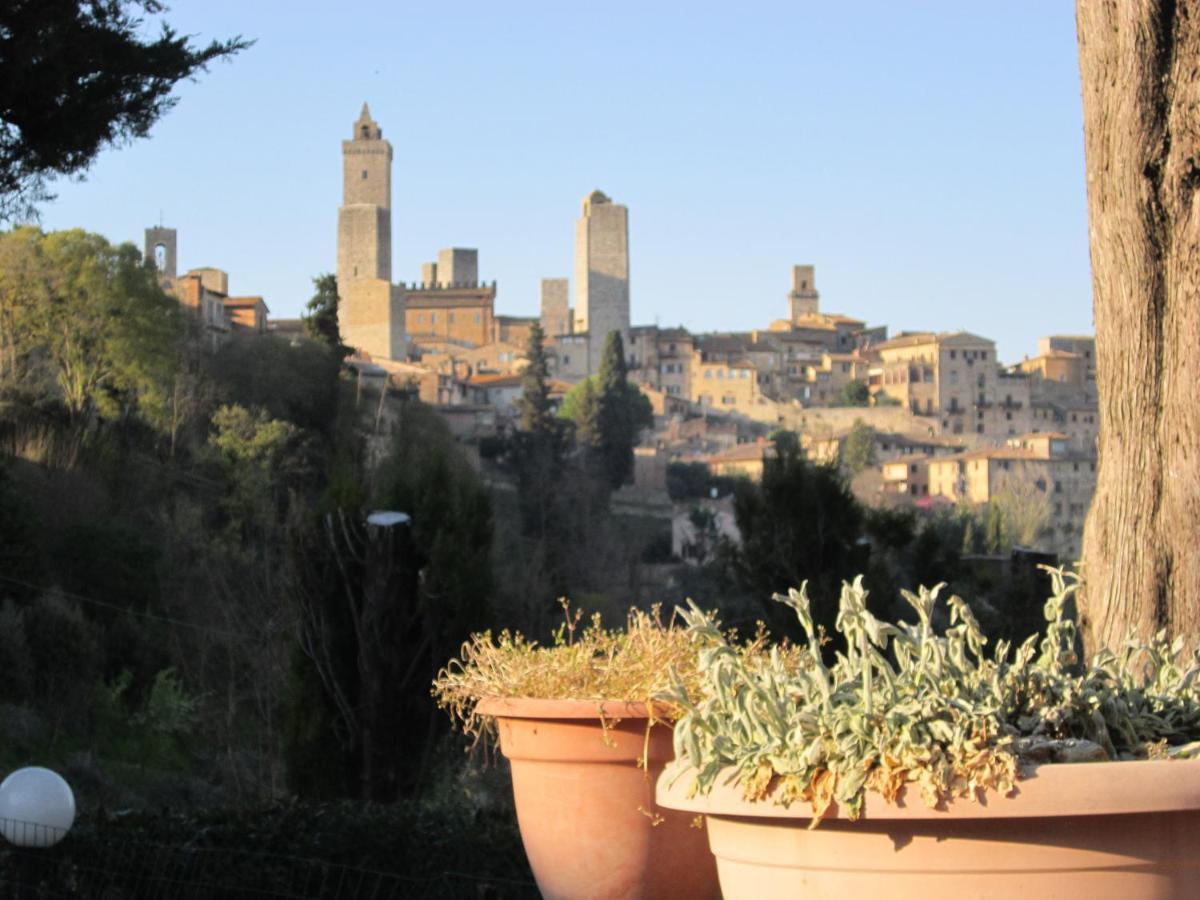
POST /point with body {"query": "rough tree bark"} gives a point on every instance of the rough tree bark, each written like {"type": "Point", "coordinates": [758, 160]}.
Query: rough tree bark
{"type": "Point", "coordinates": [1139, 63]}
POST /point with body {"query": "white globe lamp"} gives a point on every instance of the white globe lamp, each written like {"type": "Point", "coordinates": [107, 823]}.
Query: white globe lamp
{"type": "Point", "coordinates": [37, 807]}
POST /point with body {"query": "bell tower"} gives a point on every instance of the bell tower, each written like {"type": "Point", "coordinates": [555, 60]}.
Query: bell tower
{"type": "Point", "coordinates": [370, 309]}
{"type": "Point", "coordinates": [365, 217]}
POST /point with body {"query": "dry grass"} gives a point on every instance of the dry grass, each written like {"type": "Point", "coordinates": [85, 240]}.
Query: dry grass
{"type": "Point", "coordinates": [588, 663]}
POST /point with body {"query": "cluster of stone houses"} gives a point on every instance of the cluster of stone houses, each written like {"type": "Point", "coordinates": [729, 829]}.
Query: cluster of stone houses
{"type": "Point", "coordinates": [204, 291]}
{"type": "Point", "coordinates": [951, 423]}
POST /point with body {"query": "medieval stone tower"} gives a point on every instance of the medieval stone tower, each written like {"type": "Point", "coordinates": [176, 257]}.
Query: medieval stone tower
{"type": "Point", "coordinates": [161, 245]}
{"type": "Point", "coordinates": [803, 299]}
{"type": "Point", "coordinates": [601, 273]}
{"type": "Point", "coordinates": [371, 309]}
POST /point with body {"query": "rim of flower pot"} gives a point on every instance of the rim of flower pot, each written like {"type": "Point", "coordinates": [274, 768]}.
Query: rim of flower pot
{"type": "Point", "coordinates": [1049, 790]}
{"type": "Point", "coordinates": [542, 708]}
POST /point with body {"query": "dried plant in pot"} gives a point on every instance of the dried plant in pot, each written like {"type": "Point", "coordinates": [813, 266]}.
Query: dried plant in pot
{"type": "Point", "coordinates": [586, 743]}
{"type": "Point", "coordinates": [920, 765]}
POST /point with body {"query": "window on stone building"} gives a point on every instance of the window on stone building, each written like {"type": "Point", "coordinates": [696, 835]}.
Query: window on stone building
{"type": "Point", "coordinates": [433, 318]}
{"type": "Point", "coordinates": [450, 318]}
{"type": "Point", "coordinates": [979, 428]}
{"type": "Point", "coordinates": [364, 174]}
{"type": "Point", "coordinates": [954, 354]}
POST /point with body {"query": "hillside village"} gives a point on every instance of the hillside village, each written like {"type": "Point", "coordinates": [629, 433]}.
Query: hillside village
{"type": "Point", "coordinates": [947, 421]}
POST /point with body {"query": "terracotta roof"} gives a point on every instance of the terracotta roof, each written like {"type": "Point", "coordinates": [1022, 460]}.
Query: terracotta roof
{"type": "Point", "coordinates": [244, 301]}
{"type": "Point", "coordinates": [742, 453]}
{"type": "Point", "coordinates": [813, 323]}
{"type": "Point", "coordinates": [1037, 435]}
{"type": "Point", "coordinates": [494, 380]}
{"type": "Point", "coordinates": [954, 338]}
{"type": "Point", "coordinates": [842, 319]}
{"type": "Point", "coordinates": [723, 343]}
{"type": "Point", "coordinates": [909, 459]}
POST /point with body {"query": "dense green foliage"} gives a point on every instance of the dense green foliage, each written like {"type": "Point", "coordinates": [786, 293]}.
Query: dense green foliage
{"type": "Point", "coordinates": [163, 516]}
{"type": "Point", "coordinates": [321, 315]}
{"type": "Point", "coordinates": [77, 77]}
{"type": "Point", "coordinates": [859, 452]}
{"type": "Point", "coordinates": [854, 393]}
{"type": "Point", "coordinates": [694, 481]}
{"type": "Point", "coordinates": [90, 317]}
{"type": "Point", "coordinates": [800, 523]}
{"type": "Point", "coordinates": [609, 415]}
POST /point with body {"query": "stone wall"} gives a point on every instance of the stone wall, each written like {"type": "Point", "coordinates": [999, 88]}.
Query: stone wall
{"type": "Point", "coordinates": [555, 307]}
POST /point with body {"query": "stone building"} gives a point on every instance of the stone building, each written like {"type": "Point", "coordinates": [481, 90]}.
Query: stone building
{"type": "Point", "coordinates": [1083, 345]}
{"type": "Point", "coordinates": [461, 311]}
{"type": "Point", "coordinates": [954, 380]}
{"type": "Point", "coordinates": [371, 309]}
{"type": "Point", "coordinates": [1060, 366]}
{"type": "Point", "coordinates": [555, 307]}
{"type": "Point", "coordinates": [724, 384]}
{"type": "Point", "coordinates": [204, 291]}
{"type": "Point", "coordinates": [661, 358]}
{"type": "Point", "coordinates": [570, 356]}
{"type": "Point", "coordinates": [601, 273]}
{"type": "Point", "coordinates": [1043, 467]}
{"type": "Point", "coordinates": [803, 299]}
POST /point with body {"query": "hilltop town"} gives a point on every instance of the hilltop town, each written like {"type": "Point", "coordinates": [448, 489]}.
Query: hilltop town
{"type": "Point", "coordinates": [946, 422]}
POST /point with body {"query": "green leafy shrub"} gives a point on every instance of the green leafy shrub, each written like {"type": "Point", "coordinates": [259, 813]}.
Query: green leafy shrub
{"type": "Point", "coordinates": [904, 704]}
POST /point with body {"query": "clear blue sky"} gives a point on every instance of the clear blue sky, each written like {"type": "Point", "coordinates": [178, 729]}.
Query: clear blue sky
{"type": "Point", "coordinates": [927, 157]}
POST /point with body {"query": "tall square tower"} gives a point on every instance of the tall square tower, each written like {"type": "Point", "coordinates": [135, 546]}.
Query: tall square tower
{"type": "Point", "coordinates": [601, 273]}
{"type": "Point", "coordinates": [556, 311]}
{"type": "Point", "coordinates": [370, 308]}
{"type": "Point", "coordinates": [803, 300]}
{"type": "Point", "coordinates": [458, 267]}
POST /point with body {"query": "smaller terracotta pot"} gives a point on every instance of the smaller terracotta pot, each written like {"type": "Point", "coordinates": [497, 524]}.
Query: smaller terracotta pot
{"type": "Point", "coordinates": [587, 811]}
{"type": "Point", "coordinates": [1086, 830]}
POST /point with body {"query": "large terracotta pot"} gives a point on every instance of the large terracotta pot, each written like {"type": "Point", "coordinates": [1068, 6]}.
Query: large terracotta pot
{"type": "Point", "coordinates": [1091, 830]}
{"type": "Point", "coordinates": [585, 807]}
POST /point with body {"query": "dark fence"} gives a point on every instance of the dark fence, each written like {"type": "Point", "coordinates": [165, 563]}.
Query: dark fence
{"type": "Point", "coordinates": [123, 871]}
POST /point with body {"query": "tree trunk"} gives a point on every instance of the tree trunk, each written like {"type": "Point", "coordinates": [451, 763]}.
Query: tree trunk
{"type": "Point", "coordinates": [1139, 62]}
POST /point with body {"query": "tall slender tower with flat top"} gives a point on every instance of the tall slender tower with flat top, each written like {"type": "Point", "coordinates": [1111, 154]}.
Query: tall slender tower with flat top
{"type": "Point", "coordinates": [601, 273]}
{"type": "Point", "coordinates": [370, 309]}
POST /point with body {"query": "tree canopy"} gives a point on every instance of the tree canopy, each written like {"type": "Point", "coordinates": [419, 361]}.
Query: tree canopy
{"type": "Point", "coordinates": [854, 393]}
{"type": "Point", "coordinates": [609, 414]}
{"type": "Point", "coordinates": [87, 317]}
{"type": "Point", "coordinates": [801, 523]}
{"type": "Point", "coordinates": [76, 77]}
{"type": "Point", "coordinates": [859, 451]}
{"type": "Point", "coordinates": [321, 315]}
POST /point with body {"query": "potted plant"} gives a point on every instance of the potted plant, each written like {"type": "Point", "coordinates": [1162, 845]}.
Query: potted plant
{"type": "Point", "coordinates": [586, 743]}
{"type": "Point", "coordinates": [919, 765]}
